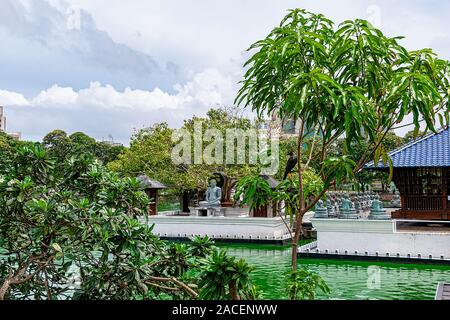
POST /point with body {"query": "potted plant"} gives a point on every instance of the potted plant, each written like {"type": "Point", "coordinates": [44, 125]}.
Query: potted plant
{"type": "Point", "coordinates": [256, 193]}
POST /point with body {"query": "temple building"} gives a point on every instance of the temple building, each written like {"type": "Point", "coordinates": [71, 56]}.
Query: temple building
{"type": "Point", "coordinates": [421, 173]}
{"type": "Point", "coordinates": [414, 228]}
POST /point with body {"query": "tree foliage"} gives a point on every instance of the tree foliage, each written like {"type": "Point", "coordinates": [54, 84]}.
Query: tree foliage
{"type": "Point", "coordinates": [230, 278]}
{"type": "Point", "coordinates": [151, 150]}
{"type": "Point", "coordinates": [413, 135]}
{"type": "Point", "coordinates": [303, 284]}
{"type": "Point", "coordinates": [255, 192]}
{"type": "Point", "coordinates": [363, 178]}
{"type": "Point", "coordinates": [62, 146]}
{"type": "Point", "coordinates": [348, 82]}
{"type": "Point", "coordinates": [86, 224]}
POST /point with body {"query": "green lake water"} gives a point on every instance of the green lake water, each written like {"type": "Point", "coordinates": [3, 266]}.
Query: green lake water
{"type": "Point", "coordinates": [346, 279]}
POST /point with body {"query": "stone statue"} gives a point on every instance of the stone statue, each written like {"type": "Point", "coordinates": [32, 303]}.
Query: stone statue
{"type": "Point", "coordinates": [320, 210]}
{"type": "Point", "coordinates": [366, 201]}
{"type": "Point", "coordinates": [213, 196]}
{"type": "Point", "coordinates": [357, 203]}
{"type": "Point", "coordinates": [396, 202]}
{"type": "Point", "coordinates": [377, 212]}
{"type": "Point", "coordinates": [335, 203]}
{"type": "Point", "coordinates": [330, 208]}
{"type": "Point", "coordinates": [346, 203]}
{"type": "Point", "coordinates": [339, 198]}
{"type": "Point", "coordinates": [347, 210]}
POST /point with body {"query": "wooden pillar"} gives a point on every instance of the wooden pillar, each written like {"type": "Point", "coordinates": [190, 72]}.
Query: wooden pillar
{"type": "Point", "coordinates": [444, 204]}
{"type": "Point", "coordinates": [260, 212]}
{"type": "Point", "coordinates": [201, 195]}
{"type": "Point", "coordinates": [153, 205]}
{"type": "Point", "coordinates": [444, 183]}
{"type": "Point", "coordinates": [403, 202]}
{"type": "Point", "coordinates": [444, 201]}
{"type": "Point", "coordinates": [275, 208]}
{"type": "Point", "coordinates": [185, 201]}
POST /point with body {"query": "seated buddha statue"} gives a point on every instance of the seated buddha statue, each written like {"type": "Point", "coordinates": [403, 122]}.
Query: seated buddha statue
{"type": "Point", "coordinates": [213, 196]}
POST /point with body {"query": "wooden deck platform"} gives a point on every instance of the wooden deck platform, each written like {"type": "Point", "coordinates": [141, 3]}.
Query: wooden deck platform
{"type": "Point", "coordinates": [423, 226]}
{"type": "Point", "coordinates": [443, 291]}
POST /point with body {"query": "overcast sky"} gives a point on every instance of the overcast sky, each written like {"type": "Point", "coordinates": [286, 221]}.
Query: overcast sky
{"type": "Point", "coordinates": [108, 67]}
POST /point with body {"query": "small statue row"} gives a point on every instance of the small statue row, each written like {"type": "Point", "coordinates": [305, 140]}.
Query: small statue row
{"type": "Point", "coordinates": [396, 201]}
{"type": "Point", "coordinates": [359, 201]}
{"type": "Point", "coordinates": [343, 206]}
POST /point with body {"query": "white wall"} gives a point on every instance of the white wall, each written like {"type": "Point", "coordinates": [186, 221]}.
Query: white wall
{"type": "Point", "coordinates": [373, 236]}
{"type": "Point", "coordinates": [219, 227]}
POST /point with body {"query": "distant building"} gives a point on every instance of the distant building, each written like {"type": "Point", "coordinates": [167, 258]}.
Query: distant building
{"type": "Point", "coordinates": [111, 142]}
{"type": "Point", "coordinates": [2, 120]}
{"type": "Point", "coordinates": [283, 128]}
{"type": "Point", "coordinates": [277, 128]}
{"type": "Point", "coordinates": [14, 135]}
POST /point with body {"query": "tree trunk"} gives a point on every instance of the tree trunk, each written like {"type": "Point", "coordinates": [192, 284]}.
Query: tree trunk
{"type": "Point", "coordinates": [297, 234]}
{"type": "Point", "coordinates": [226, 191]}
{"type": "Point", "coordinates": [260, 212]}
{"type": "Point", "coordinates": [233, 290]}
{"type": "Point", "coordinates": [301, 197]}
{"type": "Point", "coordinates": [4, 288]}
{"type": "Point", "coordinates": [17, 278]}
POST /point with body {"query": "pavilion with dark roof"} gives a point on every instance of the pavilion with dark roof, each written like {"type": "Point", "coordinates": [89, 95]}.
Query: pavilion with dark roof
{"type": "Point", "coordinates": [151, 188]}
{"type": "Point", "coordinates": [422, 175]}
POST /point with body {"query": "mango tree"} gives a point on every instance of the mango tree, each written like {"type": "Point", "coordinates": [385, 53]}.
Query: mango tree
{"type": "Point", "coordinates": [348, 82]}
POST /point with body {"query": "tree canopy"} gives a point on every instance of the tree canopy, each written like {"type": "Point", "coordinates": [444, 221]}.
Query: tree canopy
{"type": "Point", "coordinates": [151, 149]}
{"type": "Point", "coordinates": [63, 146]}
{"type": "Point", "coordinates": [348, 81]}
{"type": "Point", "coordinates": [81, 233]}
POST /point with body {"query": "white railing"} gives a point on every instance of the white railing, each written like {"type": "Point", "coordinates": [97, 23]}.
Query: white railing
{"type": "Point", "coordinates": [308, 247]}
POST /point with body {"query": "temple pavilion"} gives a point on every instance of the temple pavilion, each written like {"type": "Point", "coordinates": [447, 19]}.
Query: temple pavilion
{"type": "Point", "coordinates": [422, 176]}
{"type": "Point", "coordinates": [151, 188]}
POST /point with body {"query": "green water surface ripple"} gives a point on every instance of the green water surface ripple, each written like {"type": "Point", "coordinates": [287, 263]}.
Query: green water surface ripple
{"type": "Point", "coordinates": [358, 280]}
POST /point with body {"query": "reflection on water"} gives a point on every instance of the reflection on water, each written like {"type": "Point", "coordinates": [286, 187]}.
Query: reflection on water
{"type": "Point", "coordinates": [346, 279]}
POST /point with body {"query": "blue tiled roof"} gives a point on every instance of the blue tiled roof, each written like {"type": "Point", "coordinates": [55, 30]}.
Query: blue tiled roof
{"type": "Point", "coordinates": [433, 150]}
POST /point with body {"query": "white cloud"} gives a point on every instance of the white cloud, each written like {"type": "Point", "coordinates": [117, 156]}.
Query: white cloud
{"type": "Point", "coordinates": [55, 95]}
{"type": "Point", "coordinates": [115, 63]}
{"type": "Point", "coordinates": [209, 87]}
{"type": "Point", "coordinates": [101, 110]}
{"type": "Point", "coordinates": [12, 98]}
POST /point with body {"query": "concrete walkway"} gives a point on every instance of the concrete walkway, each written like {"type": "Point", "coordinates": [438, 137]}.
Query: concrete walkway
{"type": "Point", "coordinates": [443, 291]}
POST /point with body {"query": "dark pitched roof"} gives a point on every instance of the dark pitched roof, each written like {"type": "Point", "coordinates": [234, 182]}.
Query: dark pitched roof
{"type": "Point", "coordinates": [147, 183]}
{"type": "Point", "coordinates": [433, 150]}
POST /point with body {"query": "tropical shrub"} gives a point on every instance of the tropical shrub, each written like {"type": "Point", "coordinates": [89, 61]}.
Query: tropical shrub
{"type": "Point", "coordinates": [255, 191]}
{"type": "Point", "coordinates": [79, 233]}
{"type": "Point", "coordinates": [225, 278]}
{"type": "Point", "coordinates": [303, 284]}
{"type": "Point", "coordinates": [201, 246]}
